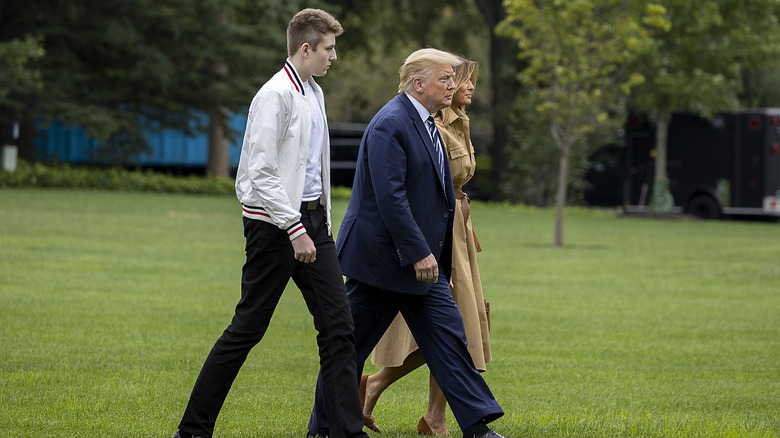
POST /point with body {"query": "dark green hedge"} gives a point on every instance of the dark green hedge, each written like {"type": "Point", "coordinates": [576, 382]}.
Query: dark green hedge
{"type": "Point", "coordinates": [64, 176]}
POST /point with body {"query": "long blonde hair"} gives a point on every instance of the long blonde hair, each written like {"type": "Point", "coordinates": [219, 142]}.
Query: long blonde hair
{"type": "Point", "coordinates": [464, 71]}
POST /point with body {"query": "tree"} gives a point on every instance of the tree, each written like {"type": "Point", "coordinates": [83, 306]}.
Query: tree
{"type": "Point", "coordinates": [697, 66]}
{"type": "Point", "coordinates": [99, 70]}
{"type": "Point", "coordinates": [117, 67]}
{"type": "Point", "coordinates": [577, 53]}
{"type": "Point", "coordinates": [760, 88]}
{"type": "Point", "coordinates": [378, 35]}
{"type": "Point", "coordinates": [504, 64]}
{"type": "Point", "coordinates": [233, 46]}
{"type": "Point", "coordinates": [17, 76]}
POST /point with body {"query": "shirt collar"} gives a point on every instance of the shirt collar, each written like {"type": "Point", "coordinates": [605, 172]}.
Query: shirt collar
{"type": "Point", "coordinates": [424, 114]}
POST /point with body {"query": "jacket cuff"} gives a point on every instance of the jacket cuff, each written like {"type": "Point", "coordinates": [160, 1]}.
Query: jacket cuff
{"type": "Point", "coordinates": [295, 230]}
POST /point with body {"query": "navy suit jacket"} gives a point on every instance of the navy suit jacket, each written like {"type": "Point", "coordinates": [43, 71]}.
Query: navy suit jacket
{"type": "Point", "coordinates": [400, 211]}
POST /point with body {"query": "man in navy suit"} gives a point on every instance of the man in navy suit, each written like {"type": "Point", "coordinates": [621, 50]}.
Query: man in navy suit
{"type": "Point", "coordinates": [395, 242]}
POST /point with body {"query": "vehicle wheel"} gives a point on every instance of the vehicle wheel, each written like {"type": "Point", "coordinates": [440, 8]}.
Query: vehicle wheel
{"type": "Point", "coordinates": [704, 206]}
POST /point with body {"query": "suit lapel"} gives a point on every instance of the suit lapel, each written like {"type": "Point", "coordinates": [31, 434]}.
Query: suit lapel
{"type": "Point", "coordinates": [425, 137]}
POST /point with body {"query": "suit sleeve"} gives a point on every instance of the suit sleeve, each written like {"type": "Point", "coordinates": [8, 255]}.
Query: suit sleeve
{"type": "Point", "coordinates": [387, 162]}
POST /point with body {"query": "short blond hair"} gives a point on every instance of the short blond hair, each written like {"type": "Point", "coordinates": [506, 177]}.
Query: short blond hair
{"type": "Point", "coordinates": [310, 26]}
{"type": "Point", "coordinates": [420, 65]}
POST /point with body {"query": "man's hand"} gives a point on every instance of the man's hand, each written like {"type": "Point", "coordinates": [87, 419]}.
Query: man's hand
{"type": "Point", "coordinates": [305, 251]}
{"type": "Point", "coordinates": [427, 269]}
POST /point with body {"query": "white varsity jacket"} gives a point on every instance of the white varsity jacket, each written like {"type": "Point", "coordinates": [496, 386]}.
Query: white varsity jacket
{"type": "Point", "coordinates": [272, 167]}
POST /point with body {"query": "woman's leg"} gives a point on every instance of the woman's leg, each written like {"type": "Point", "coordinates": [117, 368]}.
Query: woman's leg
{"type": "Point", "coordinates": [377, 383]}
{"type": "Point", "coordinates": [436, 417]}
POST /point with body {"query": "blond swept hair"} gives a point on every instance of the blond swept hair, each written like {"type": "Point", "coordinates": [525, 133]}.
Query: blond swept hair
{"type": "Point", "coordinates": [421, 64]}
{"type": "Point", "coordinates": [464, 71]}
{"type": "Point", "coordinates": [310, 26]}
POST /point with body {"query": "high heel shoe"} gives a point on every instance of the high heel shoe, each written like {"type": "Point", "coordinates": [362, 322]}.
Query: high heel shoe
{"type": "Point", "coordinates": [423, 428]}
{"type": "Point", "coordinates": [368, 420]}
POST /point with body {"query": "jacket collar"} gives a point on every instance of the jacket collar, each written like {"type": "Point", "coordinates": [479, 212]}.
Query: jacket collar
{"type": "Point", "coordinates": [449, 115]}
{"type": "Point", "coordinates": [294, 77]}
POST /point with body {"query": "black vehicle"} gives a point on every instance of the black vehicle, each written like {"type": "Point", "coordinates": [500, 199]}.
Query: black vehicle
{"type": "Point", "coordinates": [344, 146]}
{"type": "Point", "coordinates": [605, 176]}
{"type": "Point", "coordinates": [726, 166]}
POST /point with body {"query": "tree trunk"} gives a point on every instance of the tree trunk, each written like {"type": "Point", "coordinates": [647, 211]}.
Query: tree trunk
{"type": "Point", "coordinates": [560, 193]}
{"type": "Point", "coordinates": [26, 141]}
{"type": "Point", "coordinates": [504, 66]}
{"type": "Point", "coordinates": [661, 200]}
{"type": "Point", "coordinates": [218, 166]}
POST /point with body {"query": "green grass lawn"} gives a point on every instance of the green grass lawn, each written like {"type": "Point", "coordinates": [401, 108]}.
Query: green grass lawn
{"type": "Point", "coordinates": [110, 302]}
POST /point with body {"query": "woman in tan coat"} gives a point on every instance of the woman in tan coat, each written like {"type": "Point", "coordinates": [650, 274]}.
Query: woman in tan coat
{"type": "Point", "coordinates": [397, 352]}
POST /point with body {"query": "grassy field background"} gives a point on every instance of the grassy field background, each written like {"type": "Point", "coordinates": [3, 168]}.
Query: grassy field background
{"type": "Point", "coordinates": [110, 302]}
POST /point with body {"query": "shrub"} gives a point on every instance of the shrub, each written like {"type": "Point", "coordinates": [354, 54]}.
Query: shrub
{"type": "Point", "coordinates": [65, 176]}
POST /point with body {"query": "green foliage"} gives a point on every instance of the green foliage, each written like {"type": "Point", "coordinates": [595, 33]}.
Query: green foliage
{"type": "Point", "coordinates": [65, 176]}
{"type": "Point", "coordinates": [340, 193]}
{"type": "Point", "coordinates": [111, 302]}
{"type": "Point", "coordinates": [17, 77]}
{"type": "Point", "coordinates": [379, 35]}
{"type": "Point", "coordinates": [116, 67]}
{"type": "Point", "coordinates": [533, 155]}
{"type": "Point", "coordinates": [111, 178]}
{"type": "Point", "coordinates": [697, 63]}
{"type": "Point", "coordinates": [347, 97]}
{"type": "Point", "coordinates": [388, 26]}
{"type": "Point", "coordinates": [662, 202]}
{"type": "Point", "coordinates": [576, 54]}
{"type": "Point", "coordinates": [760, 88]}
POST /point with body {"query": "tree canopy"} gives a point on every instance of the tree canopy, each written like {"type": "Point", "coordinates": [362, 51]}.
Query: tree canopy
{"type": "Point", "coordinates": [118, 67]}
{"type": "Point", "coordinates": [17, 77]}
{"type": "Point", "coordinates": [697, 65]}
{"type": "Point", "coordinates": [577, 55]}
{"type": "Point", "coordinates": [114, 67]}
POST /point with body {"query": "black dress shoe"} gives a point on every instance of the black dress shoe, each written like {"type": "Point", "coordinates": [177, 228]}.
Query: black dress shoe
{"type": "Point", "coordinates": [491, 434]}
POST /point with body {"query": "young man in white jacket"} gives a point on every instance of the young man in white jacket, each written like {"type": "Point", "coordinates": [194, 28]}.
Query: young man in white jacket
{"type": "Point", "coordinates": [283, 183]}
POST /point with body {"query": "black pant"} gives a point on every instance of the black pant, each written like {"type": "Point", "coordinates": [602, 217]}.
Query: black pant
{"type": "Point", "coordinates": [269, 266]}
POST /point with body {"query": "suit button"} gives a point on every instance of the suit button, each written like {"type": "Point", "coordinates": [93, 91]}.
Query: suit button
{"type": "Point", "coordinates": [446, 215]}
{"type": "Point", "coordinates": [441, 243]}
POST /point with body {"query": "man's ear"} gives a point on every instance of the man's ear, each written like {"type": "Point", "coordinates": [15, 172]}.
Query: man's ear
{"type": "Point", "coordinates": [418, 85]}
{"type": "Point", "coordinates": [305, 50]}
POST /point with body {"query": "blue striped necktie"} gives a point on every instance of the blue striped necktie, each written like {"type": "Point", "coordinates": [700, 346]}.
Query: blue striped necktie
{"type": "Point", "coordinates": [437, 144]}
